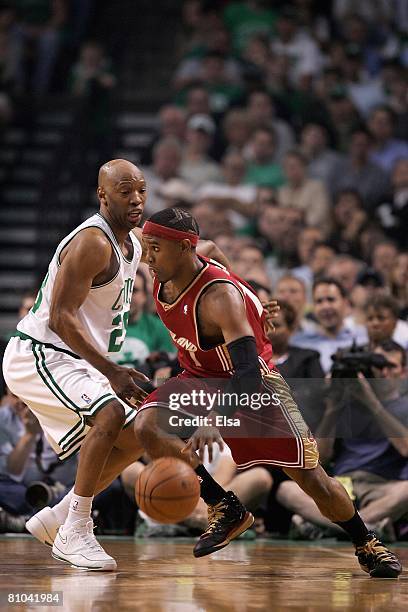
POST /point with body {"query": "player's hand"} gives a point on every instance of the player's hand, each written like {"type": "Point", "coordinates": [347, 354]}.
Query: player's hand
{"type": "Point", "coordinates": [204, 436]}
{"type": "Point", "coordinates": [271, 309]}
{"type": "Point", "coordinates": [122, 382]}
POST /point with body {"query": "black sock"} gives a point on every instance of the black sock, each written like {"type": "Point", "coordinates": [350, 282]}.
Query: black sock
{"type": "Point", "coordinates": [211, 491]}
{"type": "Point", "coordinates": [355, 528]}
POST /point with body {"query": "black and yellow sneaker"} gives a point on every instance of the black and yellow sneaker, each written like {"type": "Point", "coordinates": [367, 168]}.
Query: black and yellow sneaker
{"type": "Point", "coordinates": [226, 521]}
{"type": "Point", "coordinates": [376, 559]}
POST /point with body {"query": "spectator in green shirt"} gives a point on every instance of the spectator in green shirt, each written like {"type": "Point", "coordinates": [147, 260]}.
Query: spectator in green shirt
{"type": "Point", "coordinates": [146, 334]}
{"type": "Point", "coordinates": [244, 19]}
{"type": "Point", "coordinates": [262, 169]}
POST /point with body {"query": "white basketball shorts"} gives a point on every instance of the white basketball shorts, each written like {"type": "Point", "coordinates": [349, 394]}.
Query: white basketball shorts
{"type": "Point", "coordinates": [60, 389]}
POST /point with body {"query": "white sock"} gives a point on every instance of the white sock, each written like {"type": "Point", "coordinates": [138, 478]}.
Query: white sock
{"type": "Point", "coordinates": [79, 508]}
{"type": "Point", "coordinates": [61, 509]}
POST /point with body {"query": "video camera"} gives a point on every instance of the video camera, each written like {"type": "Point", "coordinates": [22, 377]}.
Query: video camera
{"type": "Point", "coordinates": [347, 363]}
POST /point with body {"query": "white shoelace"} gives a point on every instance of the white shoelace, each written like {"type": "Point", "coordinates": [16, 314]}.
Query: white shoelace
{"type": "Point", "coordinates": [89, 538]}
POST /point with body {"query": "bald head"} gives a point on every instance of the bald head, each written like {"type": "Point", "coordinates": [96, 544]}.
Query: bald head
{"type": "Point", "coordinates": [121, 193]}
{"type": "Point", "coordinates": [116, 170]}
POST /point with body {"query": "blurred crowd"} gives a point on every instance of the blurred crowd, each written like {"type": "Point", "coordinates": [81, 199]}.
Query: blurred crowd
{"type": "Point", "coordinates": [285, 134]}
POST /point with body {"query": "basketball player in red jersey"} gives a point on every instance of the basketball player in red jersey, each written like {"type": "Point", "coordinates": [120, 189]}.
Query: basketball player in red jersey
{"type": "Point", "coordinates": [217, 324]}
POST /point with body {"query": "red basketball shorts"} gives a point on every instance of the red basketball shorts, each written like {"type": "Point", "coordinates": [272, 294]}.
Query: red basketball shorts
{"type": "Point", "coordinates": [268, 429]}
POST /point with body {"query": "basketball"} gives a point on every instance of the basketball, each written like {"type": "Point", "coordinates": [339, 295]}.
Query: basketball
{"type": "Point", "coordinates": [167, 490]}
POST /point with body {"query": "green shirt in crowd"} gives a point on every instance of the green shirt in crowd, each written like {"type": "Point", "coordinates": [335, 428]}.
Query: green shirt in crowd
{"type": "Point", "coordinates": [243, 21]}
{"type": "Point", "coordinates": [143, 337]}
{"type": "Point", "coordinates": [268, 175]}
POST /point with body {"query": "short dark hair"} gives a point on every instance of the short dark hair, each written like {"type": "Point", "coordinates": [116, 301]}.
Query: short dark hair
{"type": "Point", "coordinates": [288, 313]}
{"type": "Point", "coordinates": [380, 301]}
{"type": "Point", "coordinates": [390, 346]}
{"type": "Point", "coordinates": [361, 128]}
{"type": "Point", "coordinates": [298, 154]}
{"type": "Point", "coordinates": [176, 218]}
{"type": "Point", "coordinates": [329, 280]}
{"type": "Point", "coordinates": [349, 191]}
{"type": "Point", "coordinates": [266, 129]}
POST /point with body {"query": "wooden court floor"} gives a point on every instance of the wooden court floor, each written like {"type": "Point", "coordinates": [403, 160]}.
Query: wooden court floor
{"type": "Point", "coordinates": [163, 576]}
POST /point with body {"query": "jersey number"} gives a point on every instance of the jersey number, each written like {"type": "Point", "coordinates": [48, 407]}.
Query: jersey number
{"type": "Point", "coordinates": [117, 336]}
{"type": "Point", "coordinates": [39, 297]}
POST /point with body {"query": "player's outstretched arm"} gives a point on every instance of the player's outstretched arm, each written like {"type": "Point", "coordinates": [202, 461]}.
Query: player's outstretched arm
{"type": "Point", "coordinates": [87, 257]}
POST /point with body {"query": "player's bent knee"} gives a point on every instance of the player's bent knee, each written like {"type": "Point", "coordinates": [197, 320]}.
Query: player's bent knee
{"type": "Point", "coordinates": [145, 425]}
{"type": "Point", "coordinates": [111, 416]}
{"type": "Point", "coordinates": [263, 479]}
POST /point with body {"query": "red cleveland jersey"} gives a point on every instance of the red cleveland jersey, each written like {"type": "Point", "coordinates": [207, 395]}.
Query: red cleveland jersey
{"type": "Point", "coordinates": [180, 318]}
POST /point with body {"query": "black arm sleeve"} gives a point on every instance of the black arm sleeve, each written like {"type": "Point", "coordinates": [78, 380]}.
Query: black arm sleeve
{"type": "Point", "coordinates": [247, 375]}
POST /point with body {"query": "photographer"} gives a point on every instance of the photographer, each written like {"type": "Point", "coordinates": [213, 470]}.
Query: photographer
{"type": "Point", "coordinates": [26, 458]}
{"type": "Point", "coordinates": [371, 452]}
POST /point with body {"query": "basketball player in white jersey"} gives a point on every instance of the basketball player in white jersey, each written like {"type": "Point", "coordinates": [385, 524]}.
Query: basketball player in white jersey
{"type": "Point", "coordinates": [58, 361]}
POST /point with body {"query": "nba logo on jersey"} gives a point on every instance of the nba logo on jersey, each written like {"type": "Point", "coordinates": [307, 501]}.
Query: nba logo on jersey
{"type": "Point", "coordinates": [185, 309]}
{"type": "Point", "coordinates": [86, 399]}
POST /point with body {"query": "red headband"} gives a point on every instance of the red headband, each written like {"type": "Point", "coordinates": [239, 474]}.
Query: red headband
{"type": "Point", "coordinates": [154, 229]}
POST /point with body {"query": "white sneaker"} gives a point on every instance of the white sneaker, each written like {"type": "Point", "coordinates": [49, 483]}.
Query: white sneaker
{"type": "Point", "coordinates": [78, 546]}
{"type": "Point", "coordinates": [44, 526]}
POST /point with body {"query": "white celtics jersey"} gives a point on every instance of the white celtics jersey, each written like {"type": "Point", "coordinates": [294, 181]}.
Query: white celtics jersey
{"type": "Point", "coordinates": [104, 313]}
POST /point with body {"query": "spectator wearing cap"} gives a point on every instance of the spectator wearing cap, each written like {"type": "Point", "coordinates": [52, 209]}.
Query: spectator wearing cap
{"type": "Point", "coordinates": [387, 149]}
{"type": "Point", "coordinates": [357, 171]}
{"type": "Point", "coordinates": [320, 158]}
{"type": "Point", "coordinates": [232, 194]}
{"type": "Point", "coordinates": [304, 193]}
{"type": "Point", "coordinates": [349, 219]}
{"type": "Point", "coordinates": [393, 210]}
{"type": "Point", "coordinates": [196, 167]}
{"type": "Point", "coordinates": [262, 113]}
{"type": "Point", "coordinates": [383, 323]}
{"type": "Point", "coordinates": [263, 169]}
{"type": "Point", "coordinates": [305, 58]}
{"type": "Point", "coordinates": [167, 155]}
{"type": "Point", "coordinates": [330, 308]}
